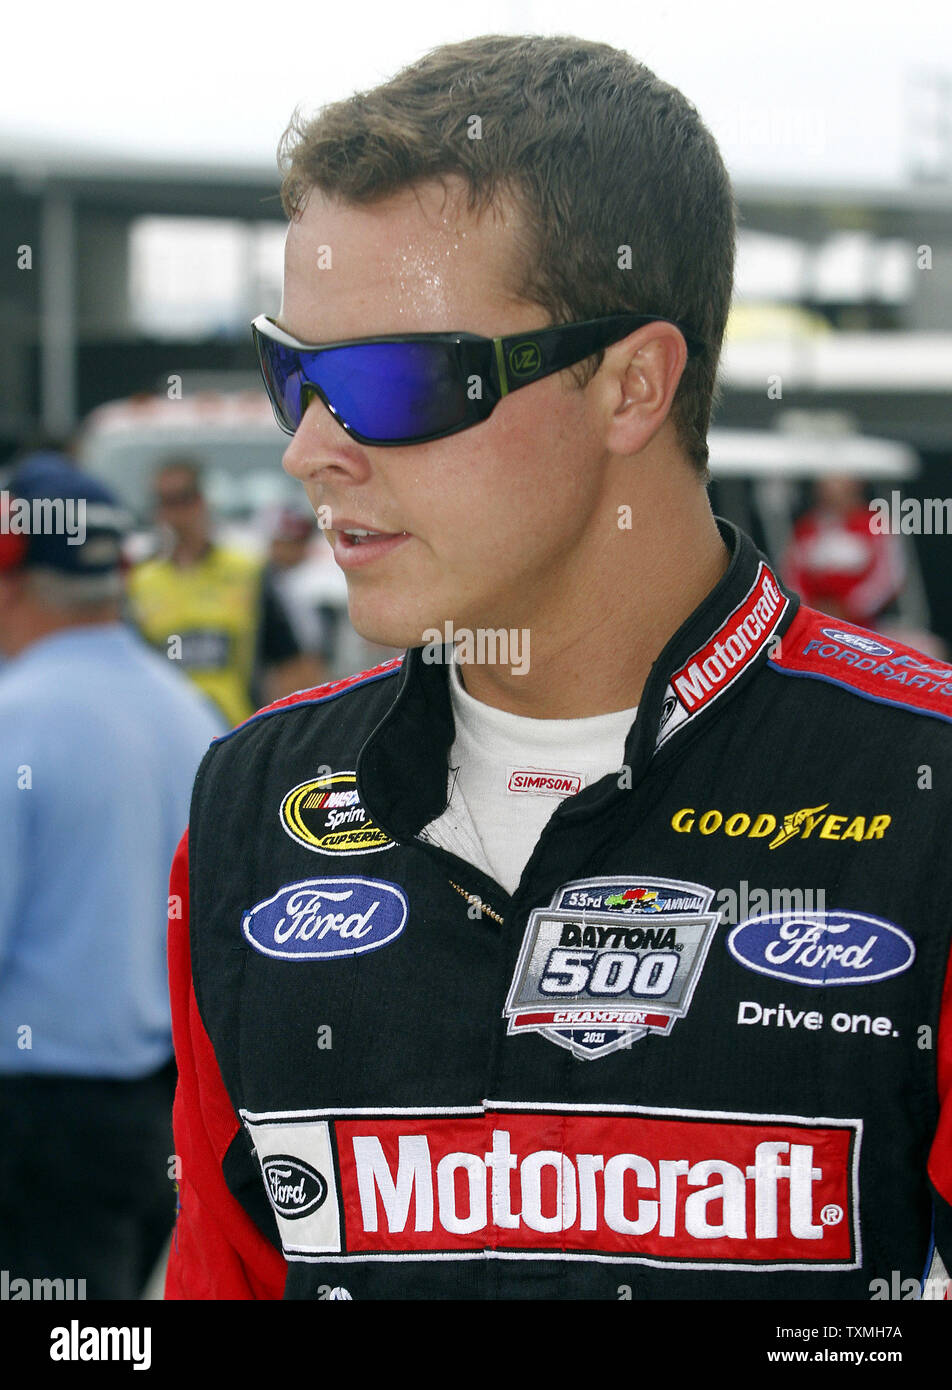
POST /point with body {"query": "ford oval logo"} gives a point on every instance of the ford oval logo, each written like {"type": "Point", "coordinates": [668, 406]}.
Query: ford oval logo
{"type": "Point", "coordinates": [325, 918]}
{"type": "Point", "coordinates": [295, 1188]}
{"type": "Point", "coordinates": [822, 948]}
{"type": "Point", "coordinates": [858, 640]}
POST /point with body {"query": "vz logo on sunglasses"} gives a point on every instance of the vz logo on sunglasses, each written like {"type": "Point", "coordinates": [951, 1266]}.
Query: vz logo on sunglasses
{"type": "Point", "coordinates": [524, 359]}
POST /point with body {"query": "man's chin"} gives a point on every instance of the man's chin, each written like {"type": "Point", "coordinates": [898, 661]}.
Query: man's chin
{"type": "Point", "coordinates": [389, 629]}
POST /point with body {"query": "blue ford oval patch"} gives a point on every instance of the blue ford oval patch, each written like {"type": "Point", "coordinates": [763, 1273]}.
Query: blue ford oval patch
{"type": "Point", "coordinates": [861, 640]}
{"type": "Point", "coordinates": [324, 918]}
{"type": "Point", "coordinates": [822, 948]}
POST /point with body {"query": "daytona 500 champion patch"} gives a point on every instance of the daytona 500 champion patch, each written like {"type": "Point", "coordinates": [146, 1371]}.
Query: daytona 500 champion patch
{"type": "Point", "coordinates": [611, 960]}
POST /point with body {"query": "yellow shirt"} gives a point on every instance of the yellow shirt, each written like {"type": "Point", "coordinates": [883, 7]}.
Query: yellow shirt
{"type": "Point", "coordinates": [207, 617]}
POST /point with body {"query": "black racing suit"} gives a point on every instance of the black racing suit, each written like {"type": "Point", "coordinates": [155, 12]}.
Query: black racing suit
{"type": "Point", "coordinates": [699, 1053]}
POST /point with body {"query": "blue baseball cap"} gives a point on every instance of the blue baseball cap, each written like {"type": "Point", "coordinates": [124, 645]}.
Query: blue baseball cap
{"type": "Point", "coordinates": [67, 519]}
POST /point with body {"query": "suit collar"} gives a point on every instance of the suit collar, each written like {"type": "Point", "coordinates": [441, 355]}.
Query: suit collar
{"type": "Point", "coordinates": [402, 767]}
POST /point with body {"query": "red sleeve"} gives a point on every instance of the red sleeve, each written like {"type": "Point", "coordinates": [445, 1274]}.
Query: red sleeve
{"type": "Point", "coordinates": [940, 1156]}
{"type": "Point", "coordinates": [217, 1250]}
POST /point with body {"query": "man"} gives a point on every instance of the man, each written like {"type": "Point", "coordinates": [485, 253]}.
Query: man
{"type": "Point", "coordinates": [99, 741]}
{"type": "Point", "coordinates": [489, 989]}
{"type": "Point", "coordinates": [216, 603]}
{"type": "Point", "coordinates": [837, 561]}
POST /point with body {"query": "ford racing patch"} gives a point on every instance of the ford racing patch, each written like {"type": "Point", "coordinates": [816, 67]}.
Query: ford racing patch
{"type": "Point", "coordinates": [611, 960]}
{"type": "Point", "coordinates": [822, 948]}
{"type": "Point", "coordinates": [326, 918]}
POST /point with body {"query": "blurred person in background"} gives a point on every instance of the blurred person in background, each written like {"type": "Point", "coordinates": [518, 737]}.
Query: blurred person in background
{"type": "Point", "coordinates": [99, 742]}
{"type": "Point", "coordinates": [42, 453]}
{"type": "Point", "coordinates": [314, 592]}
{"type": "Point", "coordinates": [836, 563]}
{"type": "Point", "coordinates": [296, 581]}
{"type": "Point", "coordinates": [234, 637]}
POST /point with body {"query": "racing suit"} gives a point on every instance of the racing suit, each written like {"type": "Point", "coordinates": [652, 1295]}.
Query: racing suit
{"type": "Point", "coordinates": [703, 1051]}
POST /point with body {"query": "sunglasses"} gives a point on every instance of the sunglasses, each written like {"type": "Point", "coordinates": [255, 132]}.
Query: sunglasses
{"type": "Point", "coordinates": [411, 388]}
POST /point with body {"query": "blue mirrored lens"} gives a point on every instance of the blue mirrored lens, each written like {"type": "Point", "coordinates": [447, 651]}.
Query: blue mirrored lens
{"type": "Point", "coordinates": [385, 391]}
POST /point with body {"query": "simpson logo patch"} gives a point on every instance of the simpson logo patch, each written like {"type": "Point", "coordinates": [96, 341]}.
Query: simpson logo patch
{"type": "Point", "coordinates": [325, 814]}
{"type": "Point", "coordinates": [610, 961]}
{"type": "Point", "coordinates": [542, 782]}
{"type": "Point", "coordinates": [822, 948]}
{"type": "Point", "coordinates": [619, 1184]}
{"type": "Point", "coordinates": [715, 666]}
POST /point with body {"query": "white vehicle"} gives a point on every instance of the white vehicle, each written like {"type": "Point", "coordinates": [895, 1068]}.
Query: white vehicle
{"type": "Point", "coordinates": [233, 436]}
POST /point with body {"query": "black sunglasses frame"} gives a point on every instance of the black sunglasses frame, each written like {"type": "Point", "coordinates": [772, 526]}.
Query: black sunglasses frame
{"type": "Point", "coordinates": [502, 364]}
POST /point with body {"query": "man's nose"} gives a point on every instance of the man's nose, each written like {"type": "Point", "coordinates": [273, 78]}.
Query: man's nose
{"type": "Point", "coordinates": [320, 442]}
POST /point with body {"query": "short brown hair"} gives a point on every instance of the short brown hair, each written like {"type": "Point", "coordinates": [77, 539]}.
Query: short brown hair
{"type": "Point", "coordinates": [598, 153]}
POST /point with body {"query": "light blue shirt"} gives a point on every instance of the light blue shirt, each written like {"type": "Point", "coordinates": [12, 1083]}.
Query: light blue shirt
{"type": "Point", "coordinates": [100, 739]}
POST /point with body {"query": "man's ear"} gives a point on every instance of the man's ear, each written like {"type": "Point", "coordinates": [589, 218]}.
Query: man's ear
{"type": "Point", "coordinates": [638, 380]}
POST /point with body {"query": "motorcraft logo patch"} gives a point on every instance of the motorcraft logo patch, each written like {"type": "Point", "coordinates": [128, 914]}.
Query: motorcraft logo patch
{"type": "Point", "coordinates": [610, 961]}
{"type": "Point", "coordinates": [714, 667]}
{"type": "Point", "coordinates": [822, 948]}
{"type": "Point", "coordinates": [615, 1183]}
{"type": "Point", "coordinates": [326, 918]}
{"type": "Point", "coordinates": [325, 814]}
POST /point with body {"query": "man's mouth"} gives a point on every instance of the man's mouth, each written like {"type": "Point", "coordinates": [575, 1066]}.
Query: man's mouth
{"type": "Point", "coordinates": [373, 545]}
{"type": "Point", "coordinates": [353, 536]}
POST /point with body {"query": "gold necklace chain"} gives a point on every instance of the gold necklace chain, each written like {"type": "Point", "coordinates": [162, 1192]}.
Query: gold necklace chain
{"type": "Point", "coordinates": [475, 898]}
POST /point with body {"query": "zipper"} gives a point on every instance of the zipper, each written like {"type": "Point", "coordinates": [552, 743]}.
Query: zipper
{"type": "Point", "coordinates": [475, 898]}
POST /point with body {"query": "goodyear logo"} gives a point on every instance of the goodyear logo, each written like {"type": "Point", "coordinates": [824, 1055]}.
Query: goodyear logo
{"type": "Point", "coordinates": [802, 824]}
{"type": "Point", "coordinates": [325, 814]}
{"type": "Point", "coordinates": [524, 359]}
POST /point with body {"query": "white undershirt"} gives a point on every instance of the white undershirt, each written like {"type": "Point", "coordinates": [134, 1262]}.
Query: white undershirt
{"type": "Point", "coordinates": [496, 828]}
